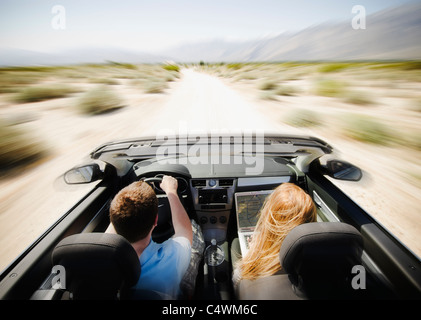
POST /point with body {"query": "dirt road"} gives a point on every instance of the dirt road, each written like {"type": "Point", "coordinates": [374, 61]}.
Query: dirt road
{"type": "Point", "coordinates": [201, 102]}
{"type": "Point", "coordinates": [30, 202]}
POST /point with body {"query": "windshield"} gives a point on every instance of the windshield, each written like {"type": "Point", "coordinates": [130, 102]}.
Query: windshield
{"type": "Point", "coordinates": [76, 75]}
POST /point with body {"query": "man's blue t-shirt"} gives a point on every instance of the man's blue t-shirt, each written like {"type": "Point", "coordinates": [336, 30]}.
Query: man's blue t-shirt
{"type": "Point", "coordinates": [163, 266]}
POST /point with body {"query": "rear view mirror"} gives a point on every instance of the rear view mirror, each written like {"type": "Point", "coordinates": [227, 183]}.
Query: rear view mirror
{"type": "Point", "coordinates": [343, 170]}
{"type": "Point", "coordinates": [83, 174]}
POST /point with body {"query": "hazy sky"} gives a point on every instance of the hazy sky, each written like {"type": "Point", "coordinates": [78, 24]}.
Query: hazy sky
{"type": "Point", "coordinates": [156, 24]}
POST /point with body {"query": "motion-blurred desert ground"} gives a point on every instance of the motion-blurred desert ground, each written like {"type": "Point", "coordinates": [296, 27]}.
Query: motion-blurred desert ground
{"type": "Point", "coordinates": [52, 117]}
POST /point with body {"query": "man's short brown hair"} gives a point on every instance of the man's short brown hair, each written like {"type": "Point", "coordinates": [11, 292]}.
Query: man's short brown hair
{"type": "Point", "coordinates": [133, 211]}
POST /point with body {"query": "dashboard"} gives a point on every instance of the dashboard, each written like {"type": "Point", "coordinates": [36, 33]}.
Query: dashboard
{"type": "Point", "coordinates": [214, 200]}
{"type": "Point", "coordinates": [208, 191]}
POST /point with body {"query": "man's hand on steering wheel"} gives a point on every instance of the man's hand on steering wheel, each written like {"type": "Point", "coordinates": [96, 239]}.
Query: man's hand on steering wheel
{"type": "Point", "coordinates": [169, 184]}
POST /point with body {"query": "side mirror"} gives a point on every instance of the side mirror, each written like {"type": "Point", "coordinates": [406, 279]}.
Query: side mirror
{"type": "Point", "coordinates": [83, 174]}
{"type": "Point", "coordinates": [343, 170]}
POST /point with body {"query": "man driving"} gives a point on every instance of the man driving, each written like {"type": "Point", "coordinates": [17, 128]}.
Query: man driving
{"type": "Point", "coordinates": [134, 215]}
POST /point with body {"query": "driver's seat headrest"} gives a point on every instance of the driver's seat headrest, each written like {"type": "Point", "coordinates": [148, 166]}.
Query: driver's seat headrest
{"type": "Point", "coordinates": [320, 256]}
{"type": "Point", "coordinates": [97, 265]}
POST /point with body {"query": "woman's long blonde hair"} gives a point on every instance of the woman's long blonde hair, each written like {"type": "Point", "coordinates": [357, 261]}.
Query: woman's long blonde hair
{"type": "Point", "coordinates": [287, 207]}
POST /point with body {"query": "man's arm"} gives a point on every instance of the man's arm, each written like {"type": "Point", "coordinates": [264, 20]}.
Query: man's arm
{"type": "Point", "coordinates": [180, 219]}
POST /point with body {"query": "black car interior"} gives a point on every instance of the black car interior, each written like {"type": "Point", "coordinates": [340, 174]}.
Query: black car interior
{"type": "Point", "coordinates": [343, 236]}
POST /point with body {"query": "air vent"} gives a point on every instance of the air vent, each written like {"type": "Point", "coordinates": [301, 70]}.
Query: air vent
{"type": "Point", "coordinates": [226, 182]}
{"type": "Point", "coordinates": [198, 183]}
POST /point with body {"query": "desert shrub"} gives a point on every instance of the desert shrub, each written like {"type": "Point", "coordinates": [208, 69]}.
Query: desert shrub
{"type": "Point", "coordinates": [18, 147]}
{"type": "Point", "coordinates": [99, 100]}
{"type": "Point", "coordinates": [170, 76]}
{"type": "Point", "coordinates": [118, 64]}
{"type": "Point", "coordinates": [12, 82]}
{"type": "Point", "coordinates": [285, 90]}
{"type": "Point", "coordinates": [366, 129]}
{"type": "Point", "coordinates": [411, 65]}
{"type": "Point", "coordinates": [333, 67]}
{"type": "Point", "coordinates": [235, 66]}
{"type": "Point", "coordinates": [357, 97]}
{"type": "Point", "coordinates": [41, 93]}
{"type": "Point", "coordinates": [9, 89]}
{"type": "Point", "coordinates": [303, 118]}
{"type": "Point", "coordinates": [157, 86]}
{"type": "Point", "coordinates": [104, 81]}
{"type": "Point", "coordinates": [126, 75]}
{"type": "Point", "coordinates": [267, 95]}
{"type": "Point", "coordinates": [329, 88]}
{"type": "Point", "coordinates": [404, 65]}
{"type": "Point", "coordinates": [171, 67]}
{"type": "Point", "coordinates": [247, 75]}
{"type": "Point", "coordinates": [268, 85]}
{"type": "Point", "coordinates": [18, 78]}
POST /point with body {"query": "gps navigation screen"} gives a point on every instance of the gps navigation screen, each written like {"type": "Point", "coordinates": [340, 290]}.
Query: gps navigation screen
{"type": "Point", "coordinates": [248, 206]}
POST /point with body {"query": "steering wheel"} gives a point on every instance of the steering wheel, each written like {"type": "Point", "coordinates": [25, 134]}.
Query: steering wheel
{"type": "Point", "coordinates": [164, 229]}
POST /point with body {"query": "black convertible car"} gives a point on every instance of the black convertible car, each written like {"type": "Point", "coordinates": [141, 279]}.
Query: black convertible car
{"type": "Point", "coordinates": [222, 182]}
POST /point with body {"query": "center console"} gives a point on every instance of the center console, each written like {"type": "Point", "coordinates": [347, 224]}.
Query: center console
{"type": "Point", "coordinates": [213, 201]}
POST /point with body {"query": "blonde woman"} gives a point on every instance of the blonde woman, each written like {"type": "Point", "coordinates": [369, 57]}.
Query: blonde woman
{"type": "Point", "coordinates": [287, 207]}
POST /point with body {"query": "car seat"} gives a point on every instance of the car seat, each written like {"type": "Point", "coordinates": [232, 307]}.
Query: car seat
{"type": "Point", "coordinates": [99, 266]}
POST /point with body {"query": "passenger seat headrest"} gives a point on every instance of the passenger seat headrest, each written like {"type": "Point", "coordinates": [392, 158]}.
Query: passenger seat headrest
{"type": "Point", "coordinates": [97, 265]}
{"type": "Point", "coordinates": [319, 254]}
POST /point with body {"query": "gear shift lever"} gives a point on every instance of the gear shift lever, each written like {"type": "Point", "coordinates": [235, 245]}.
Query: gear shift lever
{"type": "Point", "coordinates": [213, 244]}
{"type": "Point", "coordinates": [214, 255]}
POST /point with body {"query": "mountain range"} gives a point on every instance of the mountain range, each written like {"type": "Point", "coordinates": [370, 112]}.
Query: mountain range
{"type": "Point", "coordinates": [391, 34]}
